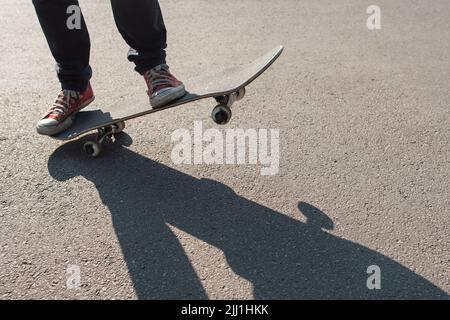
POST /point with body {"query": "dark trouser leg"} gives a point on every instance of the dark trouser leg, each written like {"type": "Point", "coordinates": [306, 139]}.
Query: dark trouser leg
{"type": "Point", "coordinates": [141, 24]}
{"type": "Point", "coordinates": [70, 47]}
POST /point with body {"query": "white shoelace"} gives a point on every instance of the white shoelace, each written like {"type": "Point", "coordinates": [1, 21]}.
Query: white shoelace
{"type": "Point", "coordinates": [62, 103]}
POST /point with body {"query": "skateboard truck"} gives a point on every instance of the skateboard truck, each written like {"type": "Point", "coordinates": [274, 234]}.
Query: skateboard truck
{"type": "Point", "coordinates": [221, 114]}
{"type": "Point", "coordinates": [93, 148]}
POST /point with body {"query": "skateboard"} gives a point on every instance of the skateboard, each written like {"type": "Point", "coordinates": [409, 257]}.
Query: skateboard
{"type": "Point", "coordinates": [226, 86]}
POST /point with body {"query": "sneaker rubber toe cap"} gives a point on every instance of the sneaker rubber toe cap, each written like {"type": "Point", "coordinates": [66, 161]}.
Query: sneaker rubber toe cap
{"type": "Point", "coordinates": [49, 126]}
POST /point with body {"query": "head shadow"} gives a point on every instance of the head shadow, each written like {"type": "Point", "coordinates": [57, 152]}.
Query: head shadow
{"type": "Point", "coordinates": [282, 257]}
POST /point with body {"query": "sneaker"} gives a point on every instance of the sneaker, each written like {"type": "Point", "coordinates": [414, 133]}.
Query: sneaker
{"type": "Point", "coordinates": [163, 87]}
{"type": "Point", "coordinates": [61, 114]}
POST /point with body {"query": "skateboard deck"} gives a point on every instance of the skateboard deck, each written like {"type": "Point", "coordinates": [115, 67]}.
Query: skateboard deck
{"type": "Point", "coordinates": [225, 85]}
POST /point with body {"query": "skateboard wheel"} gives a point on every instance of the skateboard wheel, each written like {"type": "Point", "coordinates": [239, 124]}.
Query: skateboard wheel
{"type": "Point", "coordinates": [221, 114]}
{"type": "Point", "coordinates": [222, 100]}
{"type": "Point", "coordinates": [92, 148]}
{"type": "Point", "coordinates": [240, 94]}
{"type": "Point", "coordinates": [119, 126]}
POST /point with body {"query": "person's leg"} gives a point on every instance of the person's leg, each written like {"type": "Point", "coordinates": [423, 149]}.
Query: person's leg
{"type": "Point", "coordinates": [141, 24]}
{"type": "Point", "coordinates": [68, 39]}
{"type": "Point", "coordinates": [69, 46]}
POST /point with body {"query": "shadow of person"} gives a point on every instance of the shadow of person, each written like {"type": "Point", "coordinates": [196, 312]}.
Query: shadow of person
{"type": "Point", "coordinates": [283, 258]}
